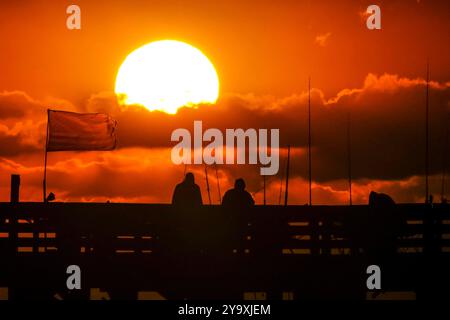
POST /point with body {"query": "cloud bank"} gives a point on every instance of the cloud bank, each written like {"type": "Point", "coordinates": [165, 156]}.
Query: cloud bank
{"type": "Point", "coordinates": [387, 144]}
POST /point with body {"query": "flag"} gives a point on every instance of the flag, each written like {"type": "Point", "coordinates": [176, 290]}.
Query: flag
{"type": "Point", "coordinates": [70, 131]}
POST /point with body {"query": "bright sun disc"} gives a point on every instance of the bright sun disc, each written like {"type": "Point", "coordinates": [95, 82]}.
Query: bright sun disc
{"type": "Point", "coordinates": [166, 75]}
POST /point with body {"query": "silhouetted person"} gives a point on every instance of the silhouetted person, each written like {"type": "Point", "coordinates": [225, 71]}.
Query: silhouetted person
{"type": "Point", "coordinates": [384, 225]}
{"type": "Point", "coordinates": [238, 196]}
{"type": "Point", "coordinates": [237, 203]}
{"type": "Point", "coordinates": [178, 238]}
{"type": "Point", "coordinates": [187, 193]}
{"type": "Point", "coordinates": [380, 200]}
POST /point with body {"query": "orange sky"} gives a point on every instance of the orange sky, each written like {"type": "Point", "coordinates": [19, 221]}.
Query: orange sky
{"type": "Point", "coordinates": [263, 52]}
{"type": "Point", "coordinates": [264, 47]}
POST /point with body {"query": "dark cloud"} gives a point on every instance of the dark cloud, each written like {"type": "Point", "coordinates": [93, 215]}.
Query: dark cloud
{"type": "Point", "coordinates": [16, 104]}
{"type": "Point", "coordinates": [387, 135]}
{"type": "Point", "coordinates": [23, 122]}
{"type": "Point", "coordinates": [387, 126]}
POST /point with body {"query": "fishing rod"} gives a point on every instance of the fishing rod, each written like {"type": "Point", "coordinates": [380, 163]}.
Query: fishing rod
{"type": "Point", "coordinates": [218, 183]}
{"type": "Point", "coordinates": [207, 185]}
{"type": "Point", "coordinates": [286, 192]}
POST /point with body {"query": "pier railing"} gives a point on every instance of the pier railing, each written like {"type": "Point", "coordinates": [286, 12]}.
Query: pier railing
{"type": "Point", "coordinates": [215, 252]}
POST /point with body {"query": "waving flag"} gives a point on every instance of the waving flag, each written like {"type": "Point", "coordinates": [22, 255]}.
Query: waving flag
{"type": "Point", "coordinates": [70, 131]}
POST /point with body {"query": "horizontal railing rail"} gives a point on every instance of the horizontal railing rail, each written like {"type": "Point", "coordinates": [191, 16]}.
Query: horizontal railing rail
{"type": "Point", "coordinates": [30, 226]}
{"type": "Point", "coordinates": [288, 248]}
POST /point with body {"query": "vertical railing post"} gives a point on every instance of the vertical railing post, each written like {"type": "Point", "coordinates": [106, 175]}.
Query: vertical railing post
{"type": "Point", "coordinates": [314, 227]}
{"type": "Point", "coordinates": [15, 188]}
{"type": "Point", "coordinates": [12, 217]}
{"type": "Point", "coordinates": [431, 230]}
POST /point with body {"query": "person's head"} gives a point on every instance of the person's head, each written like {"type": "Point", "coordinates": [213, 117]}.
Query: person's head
{"type": "Point", "coordinates": [189, 178]}
{"type": "Point", "coordinates": [239, 184]}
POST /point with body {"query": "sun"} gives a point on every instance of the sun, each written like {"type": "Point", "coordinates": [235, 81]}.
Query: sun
{"type": "Point", "coordinates": [166, 75]}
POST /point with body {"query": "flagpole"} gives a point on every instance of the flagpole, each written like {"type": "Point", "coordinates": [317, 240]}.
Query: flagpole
{"type": "Point", "coordinates": [44, 182]}
{"type": "Point", "coordinates": [286, 192]}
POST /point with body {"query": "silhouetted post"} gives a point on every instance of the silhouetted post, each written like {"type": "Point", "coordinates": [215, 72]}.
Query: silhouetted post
{"type": "Point", "coordinates": [309, 140]}
{"type": "Point", "coordinates": [426, 134]}
{"type": "Point", "coordinates": [15, 187]}
{"type": "Point", "coordinates": [13, 234]}
{"type": "Point", "coordinates": [287, 177]}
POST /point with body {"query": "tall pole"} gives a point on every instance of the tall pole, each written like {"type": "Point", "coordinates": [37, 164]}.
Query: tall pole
{"type": "Point", "coordinates": [15, 188]}
{"type": "Point", "coordinates": [286, 192]}
{"type": "Point", "coordinates": [218, 183]}
{"type": "Point", "coordinates": [44, 182]}
{"type": "Point", "coordinates": [349, 154]}
{"type": "Point", "coordinates": [309, 139]}
{"type": "Point", "coordinates": [207, 184]}
{"type": "Point", "coordinates": [426, 133]}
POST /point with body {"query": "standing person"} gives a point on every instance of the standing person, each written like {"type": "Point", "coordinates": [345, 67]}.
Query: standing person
{"type": "Point", "coordinates": [187, 193]}
{"type": "Point", "coordinates": [181, 240]}
{"type": "Point", "coordinates": [385, 224]}
{"type": "Point", "coordinates": [237, 203]}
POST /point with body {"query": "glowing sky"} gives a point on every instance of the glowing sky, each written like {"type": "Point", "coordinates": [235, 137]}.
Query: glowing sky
{"type": "Point", "coordinates": [263, 52]}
